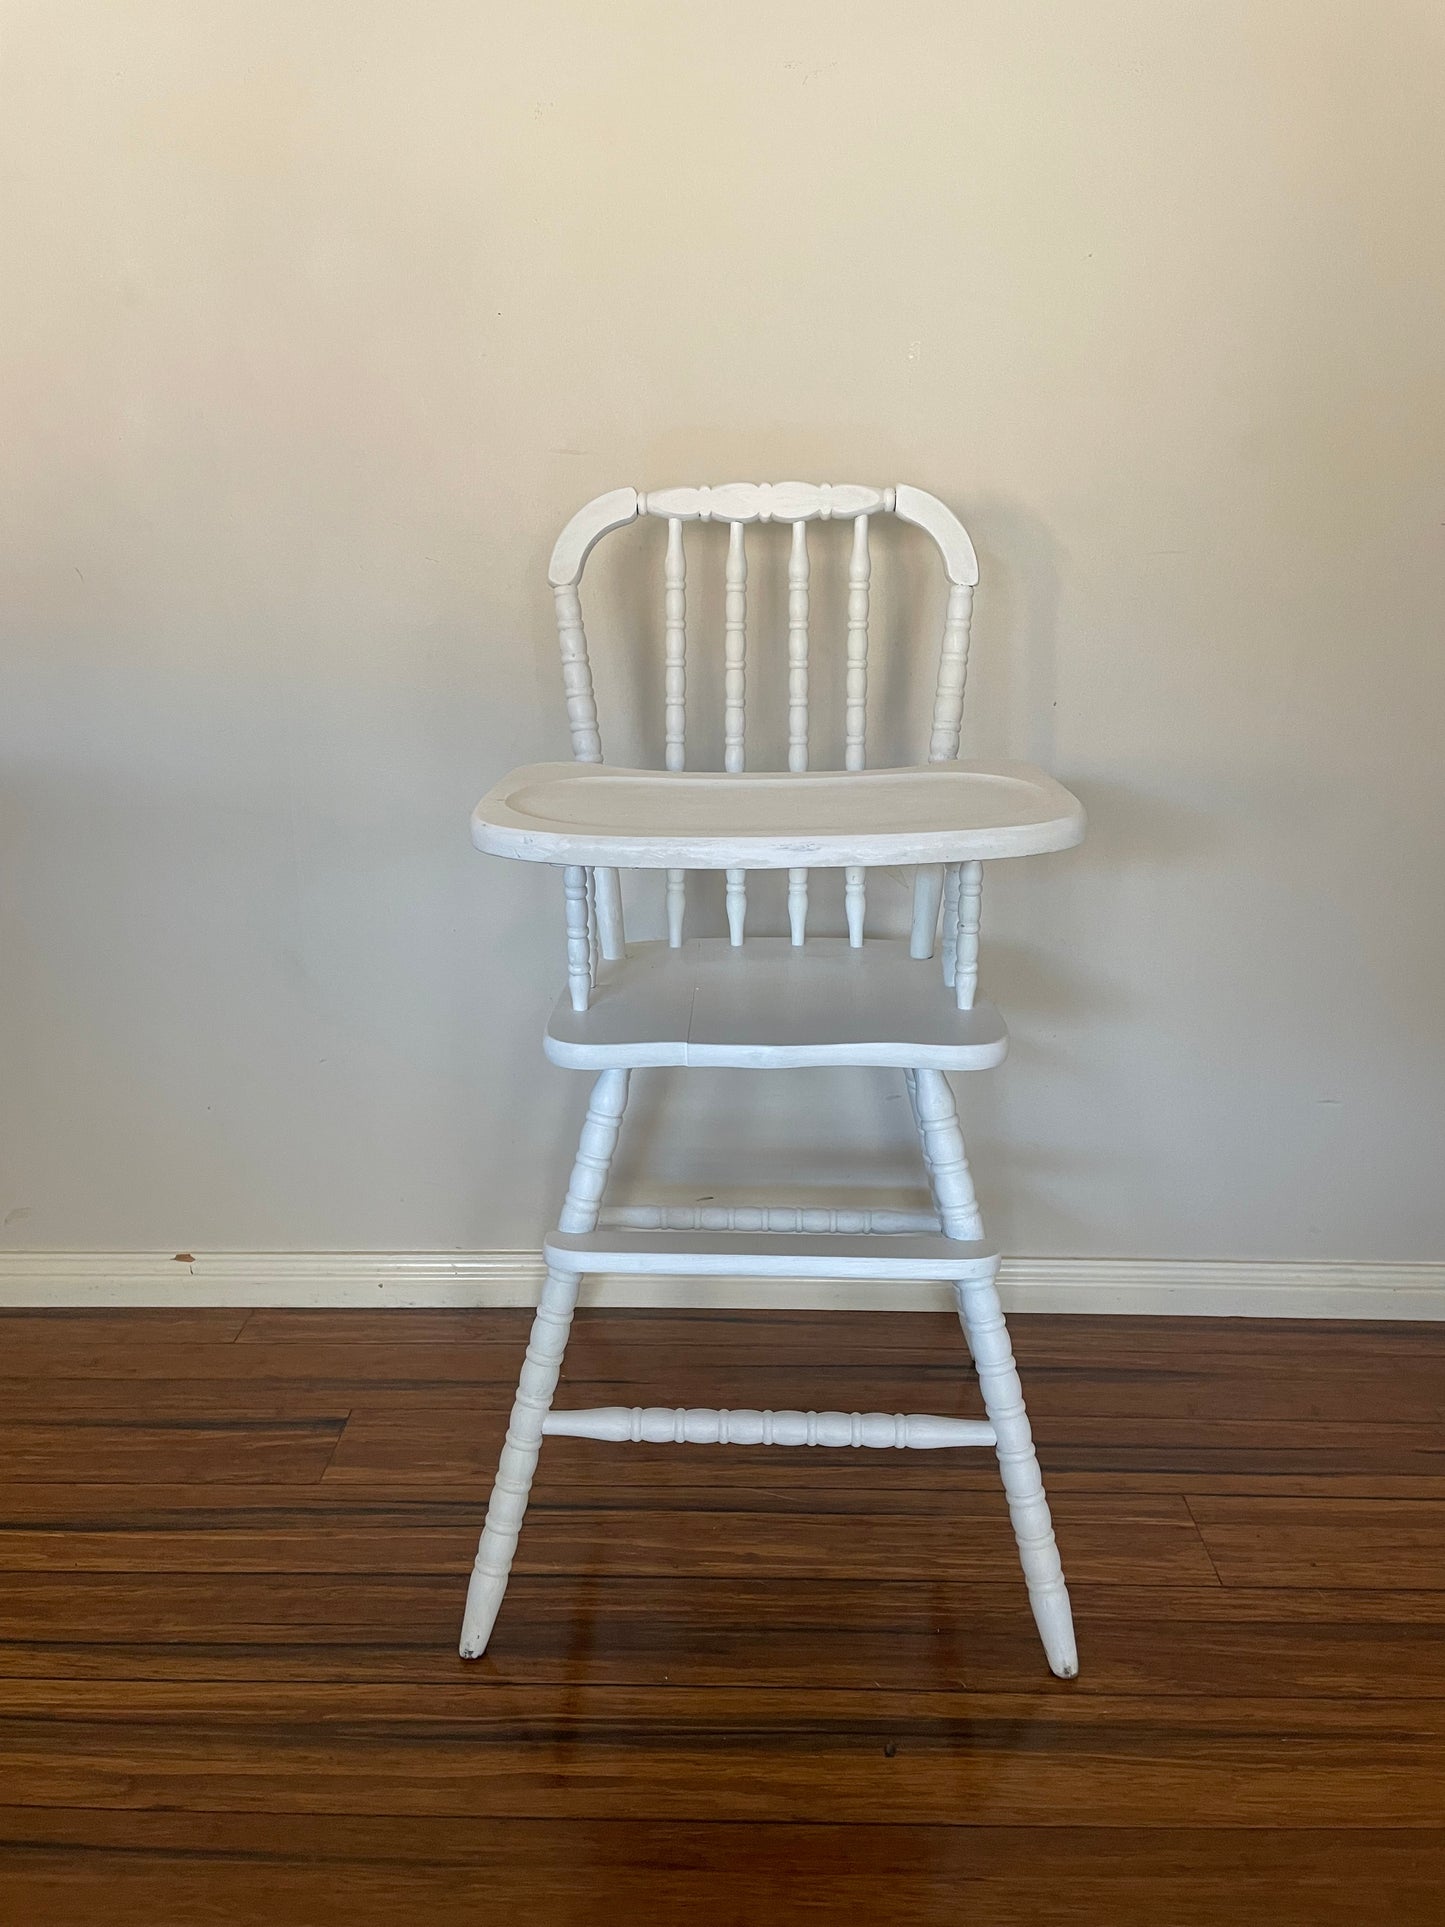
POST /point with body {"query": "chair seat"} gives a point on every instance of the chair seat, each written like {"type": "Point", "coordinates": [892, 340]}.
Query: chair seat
{"type": "Point", "coordinates": [768, 1006]}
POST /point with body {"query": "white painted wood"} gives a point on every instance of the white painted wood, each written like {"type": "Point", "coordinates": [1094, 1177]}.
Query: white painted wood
{"type": "Point", "coordinates": [798, 573]}
{"type": "Point", "coordinates": [943, 748]}
{"type": "Point", "coordinates": [735, 896]}
{"type": "Point", "coordinates": [952, 676]}
{"type": "Point", "coordinates": [943, 744]}
{"type": "Point", "coordinates": [595, 1150]}
{"type": "Point", "coordinates": [982, 1318]}
{"type": "Point", "coordinates": [702, 1425]}
{"type": "Point", "coordinates": [676, 906]}
{"type": "Point", "coordinates": [586, 528]}
{"type": "Point", "coordinates": [652, 819]}
{"type": "Point", "coordinates": [847, 1004]}
{"type": "Point", "coordinates": [1003, 1399]}
{"type": "Point", "coordinates": [771, 1006]}
{"type": "Point", "coordinates": [579, 948]}
{"type": "Point", "coordinates": [540, 1370]}
{"type": "Point", "coordinates": [927, 512]}
{"type": "Point", "coordinates": [910, 1084]}
{"type": "Point", "coordinates": [943, 1155]}
{"type": "Point", "coordinates": [927, 899]}
{"type": "Point", "coordinates": [769, 502]}
{"type": "Point", "coordinates": [675, 647]}
{"type": "Point", "coordinates": [760, 1254]}
{"type": "Point", "coordinates": [675, 699]}
{"type": "Point", "coordinates": [507, 1276]}
{"type": "Point", "coordinates": [855, 715]}
{"type": "Point", "coordinates": [517, 1467]}
{"type": "Point", "coordinates": [607, 901]}
{"type": "Point", "coordinates": [736, 504]}
{"type": "Point", "coordinates": [970, 889]}
{"type": "Point", "coordinates": [798, 707]}
{"type": "Point", "coordinates": [594, 953]}
{"type": "Point", "coordinates": [764, 1217]}
{"type": "Point", "coordinates": [735, 656]}
{"type": "Point", "coordinates": [950, 925]}
{"type": "Point", "coordinates": [577, 676]}
{"type": "Point", "coordinates": [797, 907]}
{"type": "Point", "coordinates": [735, 652]}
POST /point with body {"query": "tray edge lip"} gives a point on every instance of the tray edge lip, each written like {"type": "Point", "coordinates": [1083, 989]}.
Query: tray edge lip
{"type": "Point", "coordinates": [495, 835]}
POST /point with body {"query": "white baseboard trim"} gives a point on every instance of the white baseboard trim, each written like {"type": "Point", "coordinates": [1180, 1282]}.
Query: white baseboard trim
{"type": "Point", "coordinates": [1183, 1287]}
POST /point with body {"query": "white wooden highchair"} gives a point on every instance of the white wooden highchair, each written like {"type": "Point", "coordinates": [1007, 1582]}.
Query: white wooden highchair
{"type": "Point", "coordinates": [773, 1003]}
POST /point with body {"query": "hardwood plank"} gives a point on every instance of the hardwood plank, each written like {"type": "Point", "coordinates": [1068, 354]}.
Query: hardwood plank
{"type": "Point", "coordinates": [1195, 1450]}
{"type": "Point", "coordinates": [353, 1367]}
{"type": "Point", "coordinates": [608, 1348]}
{"type": "Point", "coordinates": [619, 1630]}
{"type": "Point", "coordinates": [1313, 1542]}
{"type": "Point", "coordinates": [254, 1870]}
{"type": "Point", "coordinates": [129, 1329]}
{"type": "Point", "coordinates": [265, 1645]}
{"type": "Point", "coordinates": [393, 1326]}
{"type": "Point", "coordinates": [89, 1402]}
{"type": "Point", "coordinates": [482, 1745]}
{"type": "Point", "coordinates": [1147, 1539]}
{"type": "Point", "coordinates": [1396, 1392]}
{"type": "Point", "coordinates": [139, 1450]}
{"type": "Point", "coordinates": [338, 1371]}
{"type": "Point", "coordinates": [1391, 1390]}
{"type": "Point", "coordinates": [1041, 1341]}
{"type": "Point", "coordinates": [621, 1331]}
{"type": "Point", "coordinates": [860, 1487]}
{"type": "Point", "coordinates": [1110, 1542]}
{"type": "Point", "coordinates": [1228, 1346]}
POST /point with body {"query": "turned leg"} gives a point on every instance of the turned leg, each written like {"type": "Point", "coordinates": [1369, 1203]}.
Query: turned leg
{"type": "Point", "coordinates": [1018, 1463]}
{"type": "Point", "coordinates": [910, 1078]}
{"type": "Point", "coordinates": [513, 1483]}
{"type": "Point", "coordinates": [983, 1322]}
{"type": "Point", "coordinates": [950, 924]}
{"type": "Point", "coordinates": [540, 1370]}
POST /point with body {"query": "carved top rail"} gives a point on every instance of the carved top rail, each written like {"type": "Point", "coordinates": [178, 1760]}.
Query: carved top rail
{"type": "Point", "coordinates": [768, 502]}
{"type": "Point", "coordinates": [763, 502]}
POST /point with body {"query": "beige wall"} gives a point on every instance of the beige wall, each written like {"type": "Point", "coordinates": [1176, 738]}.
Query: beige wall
{"type": "Point", "coordinates": [319, 318]}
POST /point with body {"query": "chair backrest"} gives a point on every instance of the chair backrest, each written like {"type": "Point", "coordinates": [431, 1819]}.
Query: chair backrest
{"type": "Point", "coordinates": [737, 504]}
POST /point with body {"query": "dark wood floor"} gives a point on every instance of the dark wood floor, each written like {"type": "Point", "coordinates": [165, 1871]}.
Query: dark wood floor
{"type": "Point", "coordinates": [754, 1686]}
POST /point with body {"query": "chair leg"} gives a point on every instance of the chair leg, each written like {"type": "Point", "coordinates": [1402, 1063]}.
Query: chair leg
{"type": "Point", "coordinates": [513, 1483]}
{"type": "Point", "coordinates": [983, 1322]}
{"type": "Point", "coordinates": [540, 1371]}
{"type": "Point", "coordinates": [910, 1079]}
{"type": "Point", "coordinates": [1018, 1464]}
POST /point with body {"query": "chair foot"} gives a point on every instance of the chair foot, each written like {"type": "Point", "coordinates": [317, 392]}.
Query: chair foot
{"type": "Point", "coordinates": [484, 1602]}
{"type": "Point", "coordinates": [1055, 1620]}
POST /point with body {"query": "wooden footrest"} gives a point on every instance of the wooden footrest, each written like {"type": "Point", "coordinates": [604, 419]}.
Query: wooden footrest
{"type": "Point", "coordinates": [709, 1254]}
{"type": "Point", "coordinates": [701, 1425]}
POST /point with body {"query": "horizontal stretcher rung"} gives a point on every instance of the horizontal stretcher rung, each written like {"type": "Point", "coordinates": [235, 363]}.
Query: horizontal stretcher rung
{"type": "Point", "coordinates": [794, 1219]}
{"type": "Point", "coordinates": [711, 1254]}
{"type": "Point", "coordinates": [701, 1425]}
